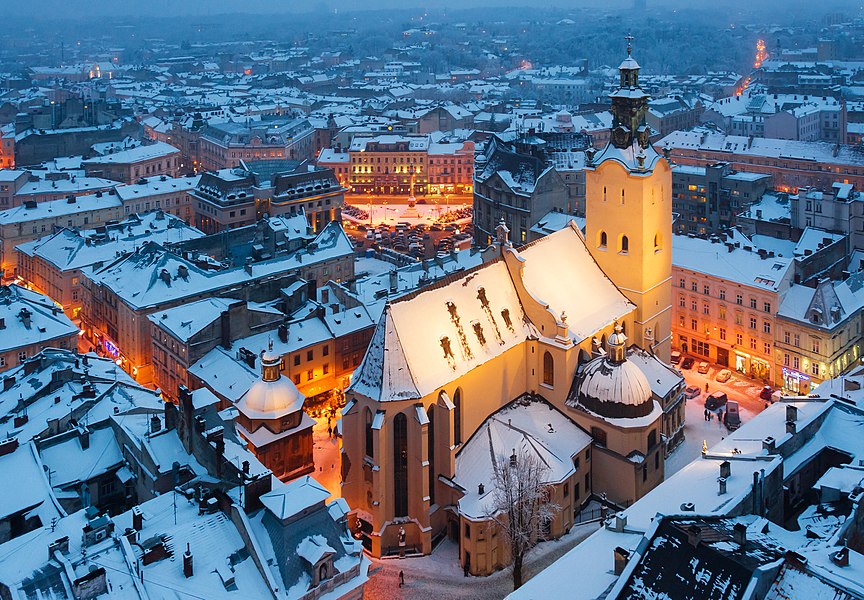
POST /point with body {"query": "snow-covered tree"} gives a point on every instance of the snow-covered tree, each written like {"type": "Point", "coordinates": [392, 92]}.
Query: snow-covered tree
{"type": "Point", "coordinates": [521, 505]}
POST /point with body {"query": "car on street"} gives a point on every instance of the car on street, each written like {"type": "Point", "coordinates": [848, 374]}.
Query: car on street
{"type": "Point", "coordinates": [676, 357]}
{"type": "Point", "coordinates": [732, 416]}
{"type": "Point", "coordinates": [687, 362]}
{"type": "Point", "coordinates": [692, 391]}
{"type": "Point", "coordinates": [766, 393]}
{"type": "Point", "coordinates": [703, 368]}
{"type": "Point", "coordinates": [723, 376]}
{"type": "Point", "coordinates": [716, 400]}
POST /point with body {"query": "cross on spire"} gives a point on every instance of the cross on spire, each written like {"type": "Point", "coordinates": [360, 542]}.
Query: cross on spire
{"type": "Point", "coordinates": [629, 37]}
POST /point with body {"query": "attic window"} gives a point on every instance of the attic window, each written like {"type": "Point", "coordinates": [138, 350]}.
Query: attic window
{"type": "Point", "coordinates": [445, 345]}
{"type": "Point", "coordinates": [505, 314]}
{"type": "Point", "coordinates": [478, 329]}
{"type": "Point", "coordinates": [481, 295]}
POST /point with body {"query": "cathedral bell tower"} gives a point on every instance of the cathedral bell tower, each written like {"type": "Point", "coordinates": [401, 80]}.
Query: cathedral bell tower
{"type": "Point", "coordinates": [629, 213]}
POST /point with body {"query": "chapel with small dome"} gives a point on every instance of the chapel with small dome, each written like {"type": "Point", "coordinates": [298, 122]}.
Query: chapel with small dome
{"type": "Point", "coordinates": [271, 419]}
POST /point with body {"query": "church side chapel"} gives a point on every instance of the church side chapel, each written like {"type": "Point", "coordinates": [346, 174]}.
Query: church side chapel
{"type": "Point", "coordinates": [529, 352]}
{"type": "Point", "coordinates": [270, 417]}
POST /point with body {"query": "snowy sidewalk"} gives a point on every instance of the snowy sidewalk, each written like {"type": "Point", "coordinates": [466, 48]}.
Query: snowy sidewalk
{"type": "Point", "coordinates": [439, 576]}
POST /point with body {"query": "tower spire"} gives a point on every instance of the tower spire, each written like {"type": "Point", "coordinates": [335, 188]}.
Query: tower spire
{"type": "Point", "coordinates": [629, 104]}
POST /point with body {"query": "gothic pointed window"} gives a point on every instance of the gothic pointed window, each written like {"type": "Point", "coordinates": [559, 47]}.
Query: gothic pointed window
{"type": "Point", "coordinates": [457, 417]}
{"type": "Point", "coordinates": [625, 244]}
{"type": "Point", "coordinates": [430, 440]}
{"type": "Point", "coordinates": [400, 466]}
{"type": "Point", "coordinates": [370, 446]}
{"type": "Point", "coordinates": [603, 238]}
{"type": "Point", "coordinates": [548, 369]}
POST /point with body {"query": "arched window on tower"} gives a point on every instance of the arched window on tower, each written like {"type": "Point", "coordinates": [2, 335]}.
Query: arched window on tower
{"type": "Point", "coordinates": [430, 450]}
{"type": "Point", "coordinates": [457, 416]}
{"type": "Point", "coordinates": [601, 242]}
{"type": "Point", "coordinates": [656, 242]}
{"type": "Point", "coordinates": [622, 196]}
{"type": "Point", "coordinates": [625, 244]}
{"type": "Point", "coordinates": [604, 193]}
{"type": "Point", "coordinates": [400, 466]}
{"type": "Point", "coordinates": [370, 446]}
{"type": "Point", "coordinates": [548, 369]}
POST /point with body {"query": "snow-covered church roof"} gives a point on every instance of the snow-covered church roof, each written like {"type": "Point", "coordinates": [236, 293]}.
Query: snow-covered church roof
{"type": "Point", "coordinates": [428, 339]}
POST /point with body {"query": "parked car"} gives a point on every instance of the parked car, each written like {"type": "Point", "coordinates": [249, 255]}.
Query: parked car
{"type": "Point", "coordinates": [715, 400]}
{"type": "Point", "coordinates": [732, 416]}
{"type": "Point", "coordinates": [687, 363]}
{"type": "Point", "coordinates": [766, 393]}
{"type": "Point", "coordinates": [692, 391]}
{"type": "Point", "coordinates": [724, 376]}
{"type": "Point", "coordinates": [676, 357]}
{"type": "Point", "coordinates": [703, 367]}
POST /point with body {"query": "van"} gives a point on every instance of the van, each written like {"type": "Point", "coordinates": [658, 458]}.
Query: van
{"type": "Point", "coordinates": [732, 416]}
{"type": "Point", "coordinates": [676, 357]}
{"type": "Point", "coordinates": [402, 226]}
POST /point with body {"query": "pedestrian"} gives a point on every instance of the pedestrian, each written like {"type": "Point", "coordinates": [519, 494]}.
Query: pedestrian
{"type": "Point", "coordinates": [330, 432]}
{"type": "Point", "coordinates": [705, 414]}
{"type": "Point", "coordinates": [401, 579]}
{"type": "Point", "coordinates": [706, 387]}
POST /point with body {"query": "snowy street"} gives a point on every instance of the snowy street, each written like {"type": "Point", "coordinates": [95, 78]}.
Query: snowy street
{"type": "Point", "coordinates": [325, 455]}
{"type": "Point", "coordinates": [696, 428]}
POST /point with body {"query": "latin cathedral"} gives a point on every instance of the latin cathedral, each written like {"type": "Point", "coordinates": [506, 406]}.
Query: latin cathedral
{"type": "Point", "coordinates": [557, 349]}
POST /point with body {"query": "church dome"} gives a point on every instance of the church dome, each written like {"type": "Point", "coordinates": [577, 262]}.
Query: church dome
{"type": "Point", "coordinates": [614, 387]}
{"type": "Point", "coordinates": [629, 64]}
{"type": "Point", "coordinates": [273, 396]}
{"type": "Point", "coordinates": [615, 390]}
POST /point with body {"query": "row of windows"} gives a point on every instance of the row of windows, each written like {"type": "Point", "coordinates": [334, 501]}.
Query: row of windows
{"type": "Point", "coordinates": [623, 242]}
{"type": "Point", "coordinates": [739, 299]}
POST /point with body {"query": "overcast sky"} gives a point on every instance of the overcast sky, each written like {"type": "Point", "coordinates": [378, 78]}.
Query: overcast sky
{"type": "Point", "coordinates": [100, 10]}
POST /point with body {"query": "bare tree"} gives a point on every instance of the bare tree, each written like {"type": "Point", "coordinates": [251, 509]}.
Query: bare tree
{"type": "Point", "coordinates": [521, 506]}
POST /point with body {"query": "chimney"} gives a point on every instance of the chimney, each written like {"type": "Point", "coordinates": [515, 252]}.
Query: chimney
{"type": "Point", "coordinates": [694, 535]}
{"type": "Point", "coordinates": [60, 545]}
{"type": "Point", "coordinates": [248, 265]}
{"type": "Point", "coordinates": [8, 383]}
{"type": "Point", "coordinates": [225, 326]}
{"type": "Point", "coordinates": [84, 437]}
{"type": "Point", "coordinates": [791, 412]}
{"type": "Point", "coordinates": [8, 446]}
{"type": "Point", "coordinates": [841, 557]}
{"type": "Point", "coordinates": [137, 519]}
{"type": "Point", "coordinates": [282, 332]}
{"type": "Point", "coordinates": [187, 562]}
{"type": "Point", "coordinates": [481, 490]}
{"type": "Point", "coordinates": [791, 427]}
{"type": "Point", "coordinates": [722, 482]}
{"type": "Point", "coordinates": [246, 467]}
{"type": "Point", "coordinates": [621, 558]}
{"type": "Point", "coordinates": [513, 459]}
{"type": "Point", "coordinates": [131, 535]}
{"type": "Point", "coordinates": [155, 424]}
{"type": "Point", "coordinates": [739, 534]}
{"type": "Point", "coordinates": [725, 469]}
{"type": "Point", "coordinates": [394, 281]}
{"type": "Point", "coordinates": [165, 276]}
{"type": "Point", "coordinates": [769, 445]}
